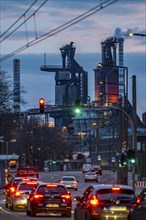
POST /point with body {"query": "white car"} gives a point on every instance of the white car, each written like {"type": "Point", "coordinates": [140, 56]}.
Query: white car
{"type": "Point", "coordinates": [70, 182]}
{"type": "Point", "coordinates": [91, 176]}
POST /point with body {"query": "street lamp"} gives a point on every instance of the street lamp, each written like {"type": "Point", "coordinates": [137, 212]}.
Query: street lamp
{"type": "Point", "coordinates": [133, 137]}
{"type": "Point", "coordinates": [137, 34]}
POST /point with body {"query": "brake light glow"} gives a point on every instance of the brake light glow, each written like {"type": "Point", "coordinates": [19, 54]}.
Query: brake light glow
{"type": "Point", "coordinates": [116, 188]}
{"type": "Point", "coordinates": [51, 185]}
{"type": "Point", "coordinates": [31, 183]}
{"type": "Point", "coordinates": [65, 196]}
{"type": "Point", "coordinates": [12, 189]}
{"type": "Point", "coordinates": [138, 200]}
{"type": "Point", "coordinates": [38, 196]}
{"type": "Point", "coordinates": [25, 179]}
{"type": "Point", "coordinates": [18, 194]}
{"type": "Point", "coordinates": [94, 201]}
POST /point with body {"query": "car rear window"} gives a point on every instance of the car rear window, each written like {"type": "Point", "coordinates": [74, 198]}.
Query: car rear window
{"type": "Point", "coordinates": [91, 173]}
{"type": "Point", "coordinates": [47, 190]}
{"type": "Point", "coordinates": [107, 194]}
{"type": "Point", "coordinates": [26, 186]}
{"type": "Point", "coordinates": [68, 179]}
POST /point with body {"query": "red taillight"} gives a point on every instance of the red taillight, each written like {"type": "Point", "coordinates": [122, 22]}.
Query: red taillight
{"type": "Point", "coordinates": [31, 183]}
{"type": "Point", "coordinates": [12, 189]}
{"type": "Point", "coordinates": [38, 196]}
{"type": "Point", "coordinates": [25, 179]}
{"type": "Point", "coordinates": [138, 200]}
{"type": "Point", "coordinates": [18, 194]}
{"type": "Point", "coordinates": [94, 201]}
{"type": "Point", "coordinates": [51, 185]}
{"type": "Point", "coordinates": [116, 188]}
{"type": "Point", "coordinates": [65, 196]}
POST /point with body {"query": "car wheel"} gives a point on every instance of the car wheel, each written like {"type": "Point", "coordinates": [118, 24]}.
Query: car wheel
{"type": "Point", "coordinates": [75, 216]}
{"type": "Point", "coordinates": [32, 213]}
{"type": "Point", "coordinates": [68, 214]}
{"type": "Point", "coordinates": [12, 208]}
{"type": "Point", "coordinates": [27, 212]}
{"type": "Point", "coordinates": [76, 189]}
{"type": "Point", "coordinates": [87, 216]}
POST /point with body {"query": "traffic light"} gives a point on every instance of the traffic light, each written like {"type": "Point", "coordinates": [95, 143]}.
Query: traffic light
{"type": "Point", "coordinates": [131, 155]}
{"type": "Point", "coordinates": [42, 103]}
{"type": "Point", "coordinates": [123, 160]}
{"type": "Point", "coordinates": [77, 107]}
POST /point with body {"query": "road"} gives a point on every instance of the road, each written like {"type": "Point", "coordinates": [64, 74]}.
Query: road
{"type": "Point", "coordinates": [6, 214]}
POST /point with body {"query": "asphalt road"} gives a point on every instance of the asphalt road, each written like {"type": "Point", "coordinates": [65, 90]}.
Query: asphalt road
{"type": "Point", "coordinates": [6, 214]}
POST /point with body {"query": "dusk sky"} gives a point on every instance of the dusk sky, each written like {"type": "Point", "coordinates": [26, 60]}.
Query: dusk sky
{"type": "Point", "coordinates": [121, 17]}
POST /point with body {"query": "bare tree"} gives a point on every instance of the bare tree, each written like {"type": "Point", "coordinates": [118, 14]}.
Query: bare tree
{"type": "Point", "coordinates": [6, 93]}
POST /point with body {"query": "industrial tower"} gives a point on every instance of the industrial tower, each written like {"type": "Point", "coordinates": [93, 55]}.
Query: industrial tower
{"type": "Point", "coordinates": [110, 76]}
{"type": "Point", "coordinates": [71, 79]}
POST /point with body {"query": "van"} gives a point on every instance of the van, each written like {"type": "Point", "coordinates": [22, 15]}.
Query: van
{"type": "Point", "coordinates": [86, 167]}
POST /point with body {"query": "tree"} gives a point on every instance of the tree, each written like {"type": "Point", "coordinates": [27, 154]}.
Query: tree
{"type": "Point", "coordinates": [6, 93]}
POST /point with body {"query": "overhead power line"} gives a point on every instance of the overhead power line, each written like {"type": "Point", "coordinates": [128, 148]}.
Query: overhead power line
{"type": "Point", "coordinates": [62, 27]}
{"type": "Point", "coordinates": [17, 20]}
{"type": "Point", "coordinates": [24, 22]}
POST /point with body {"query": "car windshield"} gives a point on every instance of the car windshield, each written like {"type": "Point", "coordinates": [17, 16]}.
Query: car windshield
{"type": "Point", "coordinates": [68, 179]}
{"type": "Point", "coordinates": [107, 194]}
{"type": "Point", "coordinates": [51, 190]}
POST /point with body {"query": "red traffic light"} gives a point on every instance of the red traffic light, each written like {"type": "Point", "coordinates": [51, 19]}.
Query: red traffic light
{"type": "Point", "coordinates": [42, 103]}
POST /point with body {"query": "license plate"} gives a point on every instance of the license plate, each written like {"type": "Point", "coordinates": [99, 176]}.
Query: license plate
{"type": "Point", "coordinates": [68, 185]}
{"type": "Point", "coordinates": [118, 208]}
{"type": "Point", "coordinates": [52, 205]}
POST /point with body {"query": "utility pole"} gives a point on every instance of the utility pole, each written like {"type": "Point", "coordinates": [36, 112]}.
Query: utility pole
{"type": "Point", "coordinates": [134, 122]}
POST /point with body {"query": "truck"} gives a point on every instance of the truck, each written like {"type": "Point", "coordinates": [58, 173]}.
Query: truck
{"type": "Point", "coordinates": [27, 172]}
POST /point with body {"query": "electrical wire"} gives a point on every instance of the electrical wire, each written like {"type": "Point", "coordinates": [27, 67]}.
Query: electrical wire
{"type": "Point", "coordinates": [24, 22]}
{"type": "Point", "coordinates": [18, 19]}
{"type": "Point", "coordinates": [61, 27]}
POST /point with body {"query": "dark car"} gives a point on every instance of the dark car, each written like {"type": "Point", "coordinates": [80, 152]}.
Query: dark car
{"type": "Point", "coordinates": [97, 169]}
{"type": "Point", "coordinates": [51, 198]}
{"type": "Point", "coordinates": [104, 201]}
{"type": "Point", "coordinates": [138, 211]}
{"type": "Point", "coordinates": [11, 186]}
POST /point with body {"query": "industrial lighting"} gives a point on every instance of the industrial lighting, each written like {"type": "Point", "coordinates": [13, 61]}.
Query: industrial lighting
{"type": "Point", "coordinates": [136, 34]}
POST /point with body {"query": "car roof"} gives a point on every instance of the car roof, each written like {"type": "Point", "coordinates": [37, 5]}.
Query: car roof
{"type": "Point", "coordinates": [109, 186]}
{"type": "Point", "coordinates": [49, 183]}
{"type": "Point", "coordinates": [68, 177]}
{"type": "Point", "coordinates": [95, 165]}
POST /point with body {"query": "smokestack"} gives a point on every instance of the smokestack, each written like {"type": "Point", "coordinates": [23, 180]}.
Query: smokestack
{"type": "Point", "coordinates": [121, 56]}
{"type": "Point", "coordinates": [16, 85]}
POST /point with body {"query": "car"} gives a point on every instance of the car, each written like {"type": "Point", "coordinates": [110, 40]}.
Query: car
{"type": "Point", "coordinates": [91, 176]}
{"type": "Point", "coordinates": [18, 199]}
{"type": "Point", "coordinates": [138, 211]}
{"type": "Point", "coordinates": [51, 198]}
{"type": "Point", "coordinates": [11, 187]}
{"type": "Point", "coordinates": [97, 169]}
{"type": "Point", "coordinates": [104, 201]}
{"type": "Point", "coordinates": [70, 182]}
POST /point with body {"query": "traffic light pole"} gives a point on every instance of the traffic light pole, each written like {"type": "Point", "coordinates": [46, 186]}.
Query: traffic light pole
{"type": "Point", "coordinates": [133, 127]}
